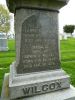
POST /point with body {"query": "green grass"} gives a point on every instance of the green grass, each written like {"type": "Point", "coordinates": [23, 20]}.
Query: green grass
{"type": "Point", "coordinates": [68, 45]}
{"type": "Point", "coordinates": [6, 58]}
{"type": "Point", "coordinates": [67, 50]}
{"type": "Point", "coordinates": [69, 67]}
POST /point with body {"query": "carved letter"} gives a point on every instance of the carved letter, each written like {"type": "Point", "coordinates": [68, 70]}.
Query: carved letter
{"type": "Point", "coordinates": [36, 90]}
{"type": "Point", "coordinates": [52, 86]}
{"type": "Point", "coordinates": [44, 87]}
{"type": "Point", "coordinates": [26, 90]}
{"type": "Point", "coordinates": [58, 84]}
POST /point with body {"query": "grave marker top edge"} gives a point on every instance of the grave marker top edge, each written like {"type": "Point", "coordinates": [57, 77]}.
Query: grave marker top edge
{"type": "Point", "coordinates": [46, 4]}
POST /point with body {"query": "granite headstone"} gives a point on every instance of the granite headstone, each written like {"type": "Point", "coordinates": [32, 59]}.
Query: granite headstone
{"type": "Point", "coordinates": [37, 67]}
{"type": "Point", "coordinates": [3, 42]}
{"type": "Point", "coordinates": [39, 42]}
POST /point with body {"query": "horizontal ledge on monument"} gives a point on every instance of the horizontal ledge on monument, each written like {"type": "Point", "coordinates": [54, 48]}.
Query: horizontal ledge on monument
{"type": "Point", "coordinates": [56, 4]}
{"type": "Point", "coordinates": [35, 77]}
{"type": "Point", "coordinates": [65, 94]}
{"type": "Point", "coordinates": [37, 8]}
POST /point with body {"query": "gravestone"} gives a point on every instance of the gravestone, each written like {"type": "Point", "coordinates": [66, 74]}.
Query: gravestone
{"type": "Point", "coordinates": [37, 67]}
{"type": "Point", "coordinates": [3, 42]}
{"type": "Point", "coordinates": [39, 48]}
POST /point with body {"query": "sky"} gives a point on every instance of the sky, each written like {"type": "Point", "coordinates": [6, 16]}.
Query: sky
{"type": "Point", "coordinates": [66, 15]}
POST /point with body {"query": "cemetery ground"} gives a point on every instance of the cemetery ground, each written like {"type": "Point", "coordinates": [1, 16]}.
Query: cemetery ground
{"type": "Point", "coordinates": [67, 50]}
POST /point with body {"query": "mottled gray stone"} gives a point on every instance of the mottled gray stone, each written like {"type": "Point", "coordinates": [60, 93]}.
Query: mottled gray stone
{"type": "Point", "coordinates": [37, 66]}
{"type": "Point", "coordinates": [39, 41]}
{"type": "Point", "coordinates": [37, 44]}
{"type": "Point", "coordinates": [24, 85]}
{"type": "Point", "coordinates": [46, 4]}
{"type": "Point", "coordinates": [65, 94]}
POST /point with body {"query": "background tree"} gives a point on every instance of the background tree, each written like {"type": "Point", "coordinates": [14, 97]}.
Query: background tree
{"type": "Point", "coordinates": [4, 19]}
{"type": "Point", "coordinates": [69, 28]}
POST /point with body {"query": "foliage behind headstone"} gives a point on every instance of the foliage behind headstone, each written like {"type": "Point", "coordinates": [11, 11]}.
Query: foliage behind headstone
{"type": "Point", "coordinates": [69, 28]}
{"type": "Point", "coordinates": [4, 19]}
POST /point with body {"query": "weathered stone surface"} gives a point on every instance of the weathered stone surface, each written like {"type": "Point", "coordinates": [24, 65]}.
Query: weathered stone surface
{"type": "Point", "coordinates": [40, 4]}
{"type": "Point", "coordinates": [37, 66]}
{"type": "Point", "coordinates": [65, 94]}
{"type": "Point", "coordinates": [24, 85]}
{"type": "Point", "coordinates": [38, 49]}
{"type": "Point", "coordinates": [36, 35]}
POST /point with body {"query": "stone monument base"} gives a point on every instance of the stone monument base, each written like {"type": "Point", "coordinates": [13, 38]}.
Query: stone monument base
{"type": "Point", "coordinates": [65, 94]}
{"type": "Point", "coordinates": [30, 84]}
